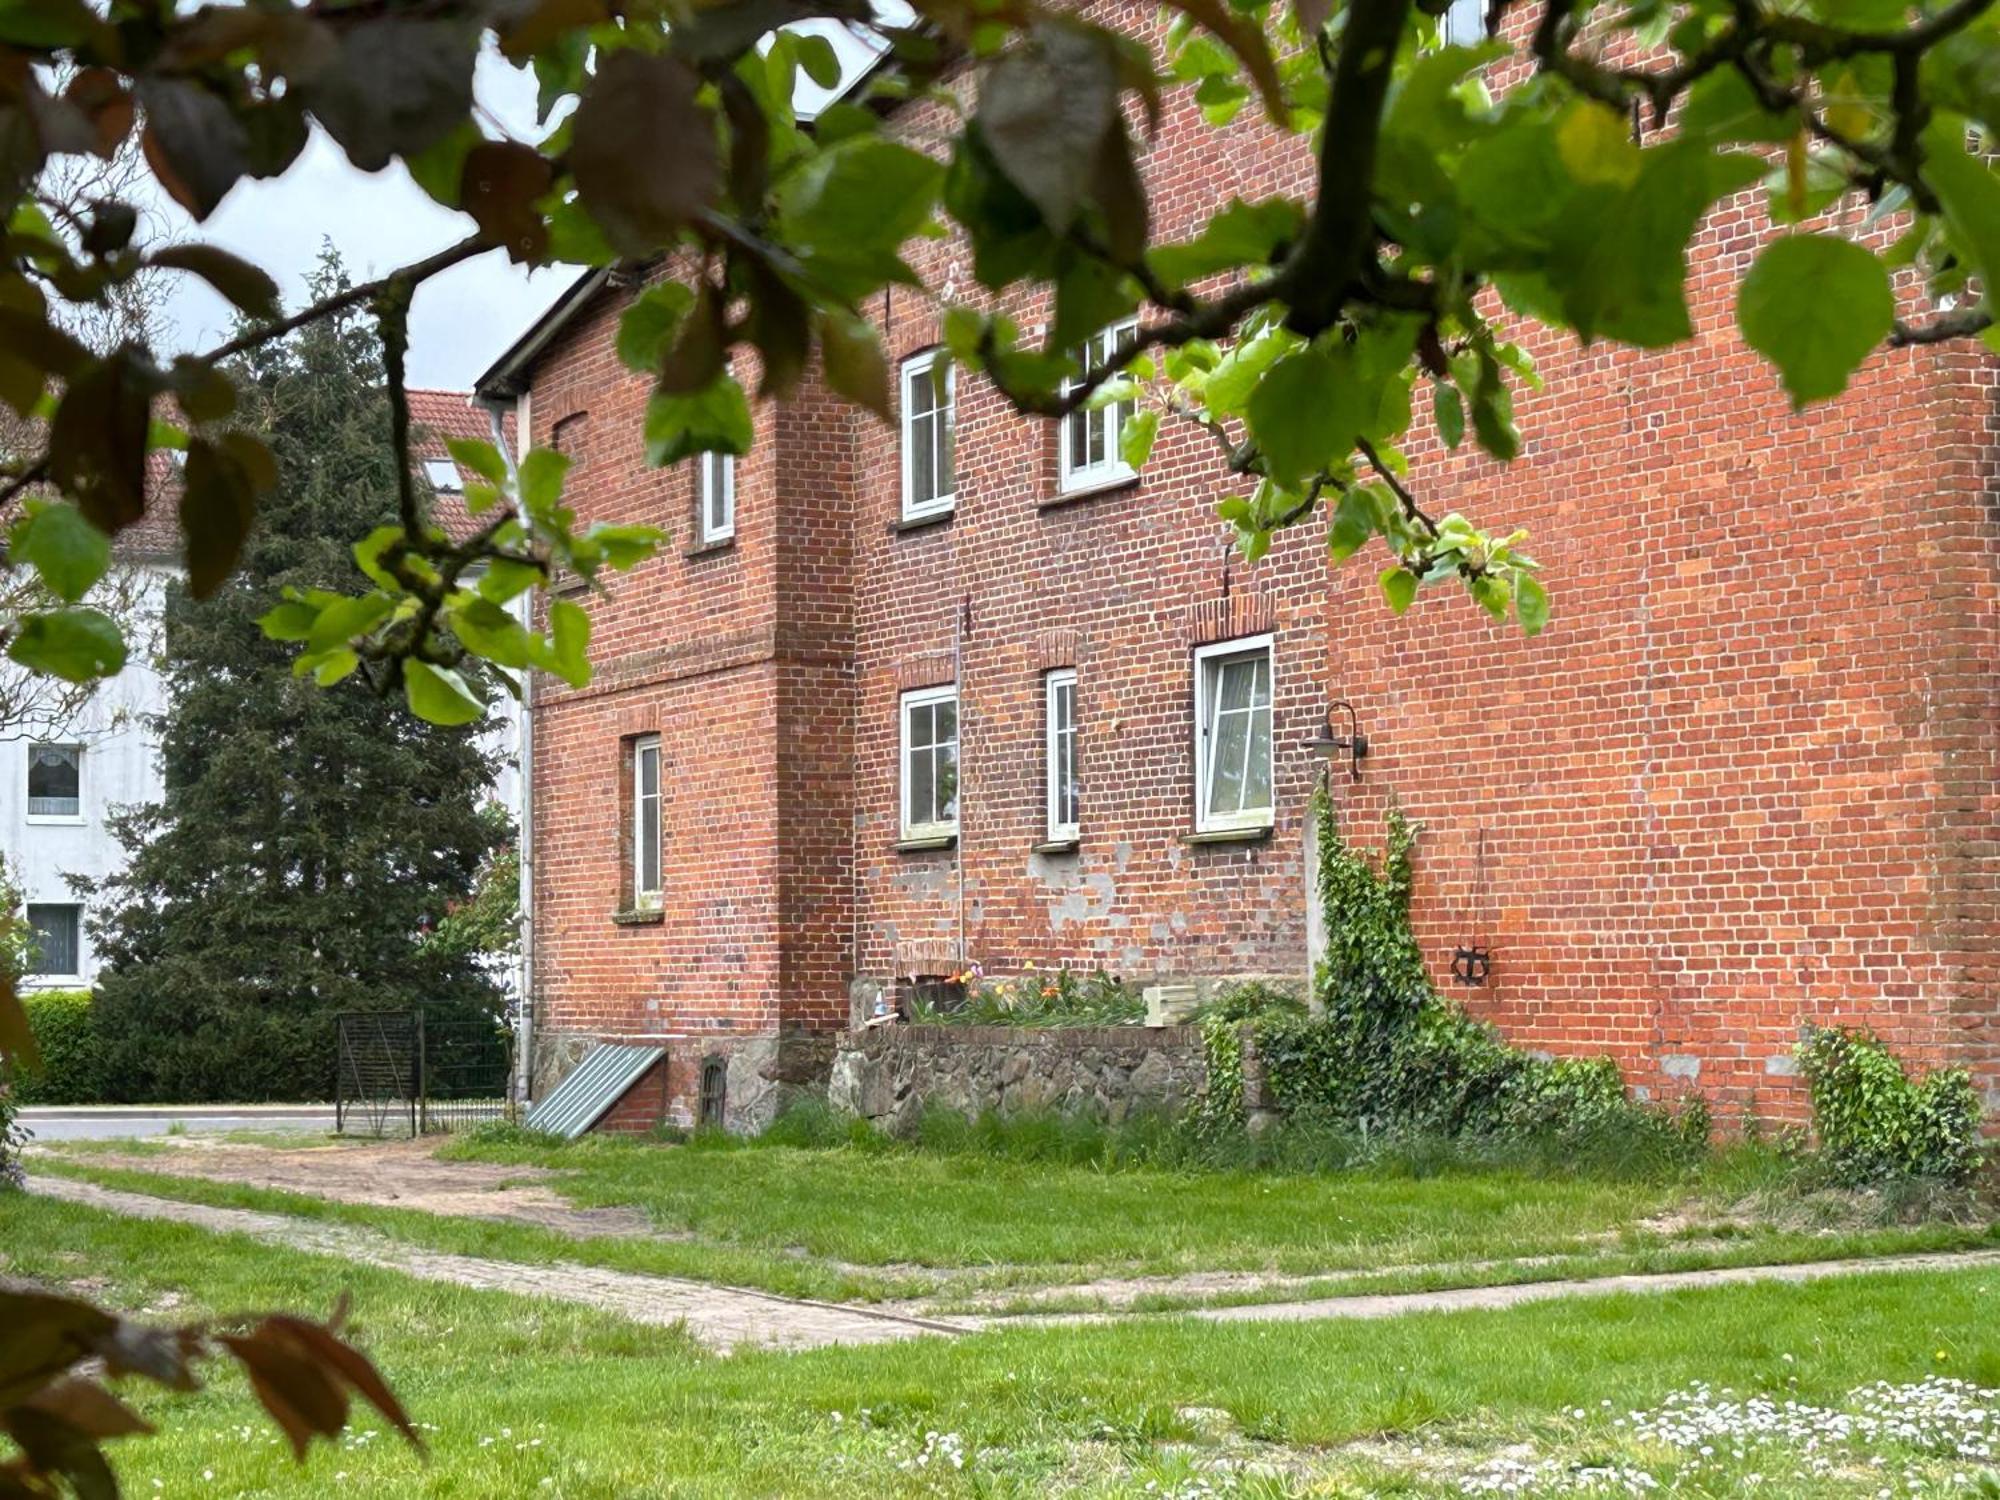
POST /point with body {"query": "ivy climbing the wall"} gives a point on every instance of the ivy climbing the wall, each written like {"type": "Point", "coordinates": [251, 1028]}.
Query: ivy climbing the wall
{"type": "Point", "coordinates": [1383, 1053]}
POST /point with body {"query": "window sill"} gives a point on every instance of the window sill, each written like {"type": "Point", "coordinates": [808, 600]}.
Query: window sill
{"type": "Point", "coordinates": [53, 820]}
{"type": "Point", "coordinates": [1090, 489]}
{"type": "Point", "coordinates": [926, 843]}
{"type": "Point", "coordinates": [922, 523]}
{"type": "Point", "coordinates": [710, 549]}
{"type": "Point", "coordinates": [1254, 835]}
{"type": "Point", "coordinates": [650, 916]}
{"type": "Point", "coordinates": [1055, 846]}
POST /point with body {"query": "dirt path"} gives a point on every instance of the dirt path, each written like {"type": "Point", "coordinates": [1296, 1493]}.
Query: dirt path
{"type": "Point", "coordinates": [725, 1318]}
{"type": "Point", "coordinates": [387, 1174]}
{"type": "Point", "coordinates": [721, 1318]}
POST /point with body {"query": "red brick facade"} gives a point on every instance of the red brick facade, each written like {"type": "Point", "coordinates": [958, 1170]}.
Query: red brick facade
{"type": "Point", "coordinates": [1746, 778]}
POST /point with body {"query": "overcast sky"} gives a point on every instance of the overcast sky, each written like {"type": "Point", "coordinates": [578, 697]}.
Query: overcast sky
{"type": "Point", "coordinates": [461, 320]}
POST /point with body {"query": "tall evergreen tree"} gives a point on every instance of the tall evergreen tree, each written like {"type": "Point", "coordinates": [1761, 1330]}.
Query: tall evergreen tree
{"type": "Point", "coordinates": [307, 839]}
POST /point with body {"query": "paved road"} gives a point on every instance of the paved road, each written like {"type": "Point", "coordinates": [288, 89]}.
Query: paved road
{"type": "Point", "coordinates": [109, 1121]}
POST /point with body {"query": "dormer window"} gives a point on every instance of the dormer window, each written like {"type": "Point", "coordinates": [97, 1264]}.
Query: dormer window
{"type": "Point", "coordinates": [443, 475]}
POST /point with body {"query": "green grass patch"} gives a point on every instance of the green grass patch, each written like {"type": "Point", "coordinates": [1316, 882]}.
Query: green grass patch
{"type": "Point", "coordinates": [527, 1398]}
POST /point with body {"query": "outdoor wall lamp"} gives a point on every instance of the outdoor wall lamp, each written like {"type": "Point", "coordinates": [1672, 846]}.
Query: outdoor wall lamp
{"type": "Point", "coordinates": [1326, 742]}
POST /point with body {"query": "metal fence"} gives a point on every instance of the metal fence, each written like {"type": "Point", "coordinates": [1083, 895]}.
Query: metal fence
{"type": "Point", "coordinates": [400, 1074]}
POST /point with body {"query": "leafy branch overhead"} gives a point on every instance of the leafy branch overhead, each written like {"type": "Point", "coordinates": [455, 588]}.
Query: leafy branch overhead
{"type": "Point", "coordinates": [1458, 192]}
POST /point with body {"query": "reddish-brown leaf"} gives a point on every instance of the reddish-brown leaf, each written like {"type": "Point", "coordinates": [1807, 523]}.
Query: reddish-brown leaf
{"type": "Point", "coordinates": [500, 186]}
{"type": "Point", "coordinates": [46, 1334]}
{"type": "Point", "coordinates": [354, 1367]}
{"type": "Point", "coordinates": [102, 99]}
{"type": "Point", "coordinates": [306, 1400]}
{"type": "Point", "coordinates": [89, 1408]}
{"type": "Point", "coordinates": [643, 150]}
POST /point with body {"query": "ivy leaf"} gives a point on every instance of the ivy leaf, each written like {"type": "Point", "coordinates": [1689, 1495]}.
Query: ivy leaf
{"type": "Point", "coordinates": [67, 551]}
{"type": "Point", "coordinates": [439, 695]}
{"type": "Point", "coordinates": [1815, 305]}
{"type": "Point", "coordinates": [77, 645]}
{"type": "Point", "coordinates": [643, 150]}
{"type": "Point", "coordinates": [715, 419]}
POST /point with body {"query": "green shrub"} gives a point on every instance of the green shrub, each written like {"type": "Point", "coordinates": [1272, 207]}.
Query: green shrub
{"type": "Point", "coordinates": [72, 1069]}
{"type": "Point", "coordinates": [1043, 997]}
{"type": "Point", "coordinates": [1876, 1124]}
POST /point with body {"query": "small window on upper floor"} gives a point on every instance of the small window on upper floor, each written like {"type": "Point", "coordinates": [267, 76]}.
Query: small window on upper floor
{"type": "Point", "coordinates": [55, 783]}
{"type": "Point", "coordinates": [1464, 24]}
{"type": "Point", "coordinates": [1090, 438]}
{"type": "Point", "coordinates": [929, 418]}
{"type": "Point", "coordinates": [58, 941]}
{"type": "Point", "coordinates": [443, 475]}
{"type": "Point", "coordinates": [1232, 746]}
{"type": "Point", "coordinates": [715, 494]}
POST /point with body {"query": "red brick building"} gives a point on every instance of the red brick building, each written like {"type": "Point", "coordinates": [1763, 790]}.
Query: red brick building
{"type": "Point", "coordinates": [1746, 778]}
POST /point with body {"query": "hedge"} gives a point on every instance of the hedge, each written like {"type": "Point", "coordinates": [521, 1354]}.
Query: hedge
{"type": "Point", "coordinates": [72, 1070]}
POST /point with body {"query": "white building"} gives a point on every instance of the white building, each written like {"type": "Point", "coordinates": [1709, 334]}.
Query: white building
{"type": "Point", "coordinates": [66, 769]}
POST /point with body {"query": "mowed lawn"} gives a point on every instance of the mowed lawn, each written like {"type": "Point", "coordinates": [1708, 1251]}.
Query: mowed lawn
{"type": "Point", "coordinates": [866, 1222]}
{"type": "Point", "coordinates": [521, 1398]}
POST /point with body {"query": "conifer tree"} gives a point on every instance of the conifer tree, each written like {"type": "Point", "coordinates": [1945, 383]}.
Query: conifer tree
{"type": "Point", "coordinates": [307, 838]}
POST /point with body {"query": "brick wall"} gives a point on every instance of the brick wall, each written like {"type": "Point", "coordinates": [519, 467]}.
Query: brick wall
{"type": "Point", "coordinates": [1746, 777]}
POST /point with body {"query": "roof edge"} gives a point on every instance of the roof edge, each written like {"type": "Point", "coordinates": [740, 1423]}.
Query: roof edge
{"type": "Point", "coordinates": [507, 377]}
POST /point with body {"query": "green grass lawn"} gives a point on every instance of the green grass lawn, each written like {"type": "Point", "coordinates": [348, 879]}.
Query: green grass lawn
{"type": "Point", "coordinates": [860, 1222]}
{"type": "Point", "coordinates": [527, 1399]}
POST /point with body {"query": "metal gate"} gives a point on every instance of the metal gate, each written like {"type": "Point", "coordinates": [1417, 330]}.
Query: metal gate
{"type": "Point", "coordinates": [398, 1074]}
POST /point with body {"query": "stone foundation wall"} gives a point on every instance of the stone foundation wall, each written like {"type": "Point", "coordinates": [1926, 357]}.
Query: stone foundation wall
{"type": "Point", "coordinates": [890, 1074]}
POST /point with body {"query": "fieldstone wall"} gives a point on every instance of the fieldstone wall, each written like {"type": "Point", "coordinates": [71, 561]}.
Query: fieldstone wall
{"type": "Point", "coordinates": [889, 1074]}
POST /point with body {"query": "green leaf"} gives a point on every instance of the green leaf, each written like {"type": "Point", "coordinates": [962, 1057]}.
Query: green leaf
{"type": "Point", "coordinates": [77, 645]}
{"type": "Point", "coordinates": [67, 551]}
{"type": "Point", "coordinates": [646, 329]}
{"type": "Point", "coordinates": [1136, 436]}
{"type": "Point", "coordinates": [1531, 603]}
{"type": "Point", "coordinates": [480, 456]}
{"type": "Point", "coordinates": [487, 630]}
{"type": "Point", "coordinates": [1399, 587]}
{"type": "Point", "coordinates": [567, 651]}
{"type": "Point", "coordinates": [817, 57]}
{"type": "Point", "coordinates": [1815, 305]}
{"type": "Point", "coordinates": [291, 621]}
{"type": "Point", "coordinates": [715, 419]}
{"type": "Point", "coordinates": [1969, 193]}
{"type": "Point", "coordinates": [1306, 413]}
{"type": "Point", "coordinates": [1228, 386]}
{"type": "Point", "coordinates": [1448, 408]}
{"type": "Point", "coordinates": [1595, 143]}
{"type": "Point", "coordinates": [1243, 234]}
{"type": "Point", "coordinates": [855, 366]}
{"type": "Point", "coordinates": [439, 695]}
{"type": "Point", "coordinates": [542, 474]}
{"type": "Point", "coordinates": [1353, 524]}
{"type": "Point", "coordinates": [506, 579]}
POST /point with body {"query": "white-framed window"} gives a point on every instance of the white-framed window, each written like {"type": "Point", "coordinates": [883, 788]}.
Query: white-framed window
{"type": "Point", "coordinates": [715, 492]}
{"type": "Point", "coordinates": [55, 783]}
{"type": "Point", "coordinates": [442, 474]}
{"type": "Point", "coordinates": [1464, 24]}
{"type": "Point", "coordinates": [1090, 438]}
{"type": "Point", "coordinates": [930, 417]}
{"type": "Point", "coordinates": [646, 822]}
{"type": "Point", "coordinates": [930, 762]}
{"type": "Point", "coordinates": [1232, 745]}
{"type": "Point", "coordinates": [58, 940]}
{"type": "Point", "coordinates": [1059, 720]}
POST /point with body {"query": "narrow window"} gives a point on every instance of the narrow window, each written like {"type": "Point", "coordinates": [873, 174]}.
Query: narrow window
{"type": "Point", "coordinates": [646, 823]}
{"type": "Point", "coordinates": [57, 947]}
{"type": "Point", "coordinates": [1232, 701]}
{"type": "Point", "coordinates": [929, 416]}
{"type": "Point", "coordinates": [1059, 699]}
{"type": "Point", "coordinates": [714, 1104]}
{"type": "Point", "coordinates": [930, 763]}
{"type": "Point", "coordinates": [1464, 24]}
{"type": "Point", "coordinates": [55, 781]}
{"type": "Point", "coordinates": [716, 493]}
{"type": "Point", "coordinates": [1090, 438]}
